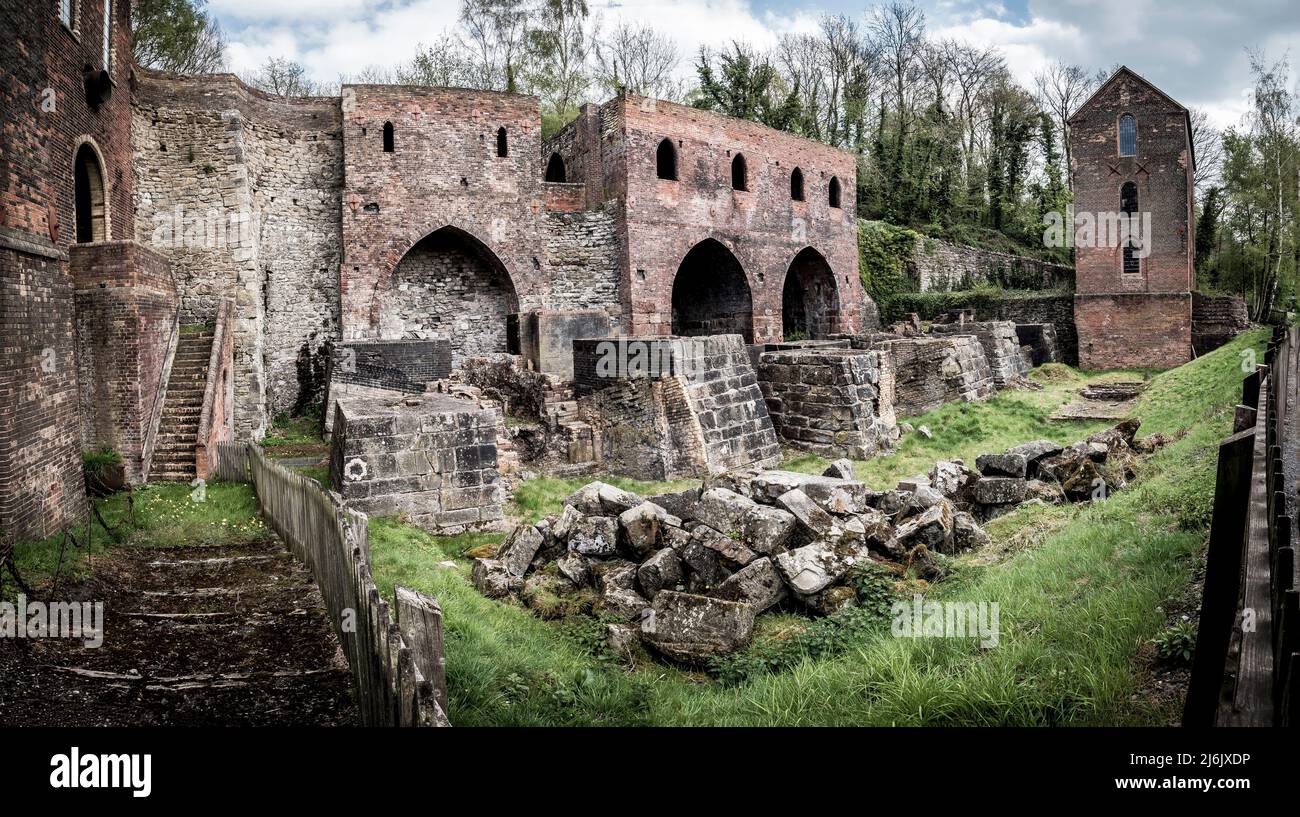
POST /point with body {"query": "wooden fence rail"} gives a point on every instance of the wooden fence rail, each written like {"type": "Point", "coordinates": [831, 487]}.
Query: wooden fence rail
{"type": "Point", "coordinates": [397, 667]}
{"type": "Point", "coordinates": [1246, 671]}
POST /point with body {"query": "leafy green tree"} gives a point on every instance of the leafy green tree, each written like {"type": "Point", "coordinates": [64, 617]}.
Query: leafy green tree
{"type": "Point", "coordinates": [746, 85]}
{"type": "Point", "coordinates": [176, 35]}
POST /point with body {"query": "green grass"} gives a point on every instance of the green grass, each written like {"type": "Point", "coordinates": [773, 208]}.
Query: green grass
{"type": "Point", "coordinates": [165, 515]}
{"type": "Point", "coordinates": [1079, 590]}
{"type": "Point", "coordinates": [299, 432]}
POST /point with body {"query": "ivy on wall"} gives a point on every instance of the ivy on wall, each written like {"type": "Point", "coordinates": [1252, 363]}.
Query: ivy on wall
{"type": "Point", "coordinates": [884, 253]}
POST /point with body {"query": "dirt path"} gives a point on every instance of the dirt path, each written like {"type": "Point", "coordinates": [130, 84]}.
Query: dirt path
{"type": "Point", "coordinates": [217, 635]}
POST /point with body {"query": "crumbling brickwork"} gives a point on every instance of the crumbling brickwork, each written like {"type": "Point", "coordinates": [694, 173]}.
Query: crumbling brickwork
{"type": "Point", "coordinates": [1000, 344]}
{"type": "Point", "coordinates": [1139, 314]}
{"type": "Point", "coordinates": [1217, 319]}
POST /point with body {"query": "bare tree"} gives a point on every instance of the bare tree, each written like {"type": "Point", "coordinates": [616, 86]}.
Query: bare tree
{"type": "Point", "coordinates": [497, 31]}
{"type": "Point", "coordinates": [1061, 89]}
{"type": "Point", "coordinates": [898, 31]}
{"type": "Point", "coordinates": [638, 60]}
{"type": "Point", "coordinates": [1207, 144]}
{"type": "Point", "coordinates": [284, 77]}
{"type": "Point", "coordinates": [562, 45]}
{"type": "Point", "coordinates": [974, 70]}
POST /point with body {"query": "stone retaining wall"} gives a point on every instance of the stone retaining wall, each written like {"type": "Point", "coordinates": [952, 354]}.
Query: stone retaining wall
{"type": "Point", "coordinates": [1000, 343]}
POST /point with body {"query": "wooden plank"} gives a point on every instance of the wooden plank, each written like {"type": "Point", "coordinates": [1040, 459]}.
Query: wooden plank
{"type": "Point", "coordinates": [420, 619]}
{"type": "Point", "coordinates": [1222, 578]}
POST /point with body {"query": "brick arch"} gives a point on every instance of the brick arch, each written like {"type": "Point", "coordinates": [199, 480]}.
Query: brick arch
{"type": "Point", "coordinates": [712, 293]}
{"type": "Point", "coordinates": [103, 230]}
{"type": "Point", "coordinates": [450, 283]}
{"type": "Point", "coordinates": [810, 297]}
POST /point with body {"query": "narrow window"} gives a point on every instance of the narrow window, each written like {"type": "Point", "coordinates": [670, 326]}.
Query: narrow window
{"type": "Point", "coordinates": [1128, 135]}
{"type": "Point", "coordinates": [502, 149]}
{"type": "Point", "coordinates": [65, 12]}
{"type": "Point", "coordinates": [1132, 262]}
{"type": "Point", "coordinates": [834, 194]}
{"type": "Point", "coordinates": [666, 160]}
{"type": "Point", "coordinates": [796, 185]}
{"type": "Point", "coordinates": [555, 169]}
{"type": "Point", "coordinates": [1128, 198]}
{"type": "Point", "coordinates": [108, 34]}
{"type": "Point", "coordinates": [388, 137]}
{"type": "Point", "coordinates": [739, 179]}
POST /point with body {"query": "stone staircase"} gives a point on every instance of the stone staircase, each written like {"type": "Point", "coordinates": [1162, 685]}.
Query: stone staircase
{"type": "Point", "coordinates": [173, 451]}
{"type": "Point", "coordinates": [562, 416]}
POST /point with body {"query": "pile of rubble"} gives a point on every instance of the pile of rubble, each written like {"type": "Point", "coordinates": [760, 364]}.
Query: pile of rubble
{"type": "Point", "coordinates": [1040, 471]}
{"type": "Point", "coordinates": [688, 572]}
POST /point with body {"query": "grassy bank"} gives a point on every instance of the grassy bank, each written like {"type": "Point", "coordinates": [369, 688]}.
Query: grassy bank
{"type": "Point", "coordinates": [1078, 588]}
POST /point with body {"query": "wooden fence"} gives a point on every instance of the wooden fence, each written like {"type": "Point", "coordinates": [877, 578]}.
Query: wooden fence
{"type": "Point", "coordinates": [1246, 671]}
{"type": "Point", "coordinates": [397, 668]}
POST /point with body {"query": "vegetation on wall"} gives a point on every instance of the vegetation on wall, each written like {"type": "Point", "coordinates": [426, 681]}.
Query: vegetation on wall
{"type": "Point", "coordinates": [884, 255]}
{"type": "Point", "coordinates": [984, 300]}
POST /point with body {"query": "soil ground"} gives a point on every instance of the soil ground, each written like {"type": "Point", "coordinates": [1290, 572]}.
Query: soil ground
{"type": "Point", "coordinates": [230, 635]}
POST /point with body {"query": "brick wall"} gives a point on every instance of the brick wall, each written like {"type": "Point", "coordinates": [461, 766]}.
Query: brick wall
{"type": "Point", "coordinates": [1217, 319]}
{"type": "Point", "coordinates": [126, 309]}
{"type": "Point", "coordinates": [1156, 299]}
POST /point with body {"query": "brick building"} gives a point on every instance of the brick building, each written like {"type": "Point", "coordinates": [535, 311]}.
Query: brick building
{"type": "Point", "coordinates": [1132, 154]}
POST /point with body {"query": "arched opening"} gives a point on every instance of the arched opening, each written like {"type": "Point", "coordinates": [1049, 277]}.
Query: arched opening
{"type": "Point", "coordinates": [1128, 135]}
{"type": "Point", "coordinates": [711, 295]}
{"type": "Point", "coordinates": [449, 284]}
{"type": "Point", "coordinates": [666, 160]}
{"type": "Point", "coordinates": [739, 173]}
{"type": "Point", "coordinates": [833, 194]}
{"type": "Point", "coordinates": [810, 301]}
{"type": "Point", "coordinates": [388, 137]}
{"type": "Point", "coordinates": [1128, 198]}
{"type": "Point", "coordinates": [555, 169]}
{"type": "Point", "coordinates": [1128, 205]}
{"type": "Point", "coordinates": [503, 149]}
{"type": "Point", "coordinates": [89, 199]}
{"type": "Point", "coordinates": [796, 185]}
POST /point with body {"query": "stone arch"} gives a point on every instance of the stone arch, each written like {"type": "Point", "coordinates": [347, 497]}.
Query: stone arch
{"type": "Point", "coordinates": [449, 284]}
{"type": "Point", "coordinates": [666, 160]}
{"type": "Point", "coordinates": [739, 173]}
{"type": "Point", "coordinates": [711, 294]}
{"type": "Point", "coordinates": [555, 171]}
{"type": "Point", "coordinates": [810, 298]}
{"type": "Point", "coordinates": [796, 185]}
{"type": "Point", "coordinates": [89, 194]}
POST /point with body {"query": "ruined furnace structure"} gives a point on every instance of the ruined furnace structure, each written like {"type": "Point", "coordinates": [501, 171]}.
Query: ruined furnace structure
{"type": "Point", "coordinates": [1132, 153]}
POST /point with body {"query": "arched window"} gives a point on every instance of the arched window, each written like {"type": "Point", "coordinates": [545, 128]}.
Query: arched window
{"type": "Point", "coordinates": [796, 185]}
{"type": "Point", "coordinates": [666, 160]}
{"type": "Point", "coordinates": [1128, 135]}
{"type": "Point", "coordinates": [833, 194]}
{"type": "Point", "coordinates": [739, 175]}
{"type": "Point", "coordinates": [555, 169]}
{"type": "Point", "coordinates": [388, 137]}
{"type": "Point", "coordinates": [502, 148]}
{"type": "Point", "coordinates": [1128, 198]}
{"type": "Point", "coordinates": [89, 202]}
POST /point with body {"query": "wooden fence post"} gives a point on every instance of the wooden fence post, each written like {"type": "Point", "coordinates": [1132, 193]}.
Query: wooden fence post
{"type": "Point", "coordinates": [420, 619]}
{"type": "Point", "coordinates": [1222, 578]}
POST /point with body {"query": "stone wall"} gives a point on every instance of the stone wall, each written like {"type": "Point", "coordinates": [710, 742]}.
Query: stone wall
{"type": "Point", "coordinates": [930, 371]}
{"type": "Point", "coordinates": [242, 191]}
{"type": "Point", "coordinates": [1041, 339]}
{"type": "Point", "coordinates": [582, 262]}
{"type": "Point", "coordinates": [686, 406]}
{"type": "Point", "coordinates": [942, 266]}
{"type": "Point", "coordinates": [1000, 343]}
{"type": "Point", "coordinates": [432, 457]}
{"type": "Point", "coordinates": [837, 402]}
{"type": "Point", "coordinates": [1217, 319]}
{"type": "Point", "coordinates": [126, 313]}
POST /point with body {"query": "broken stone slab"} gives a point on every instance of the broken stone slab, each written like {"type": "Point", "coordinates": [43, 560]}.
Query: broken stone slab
{"type": "Point", "coordinates": [812, 568]}
{"type": "Point", "coordinates": [703, 566]}
{"type": "Point", "coordinates": [574, 567]}
{"type": "Point", "coordinates": [1034, 453]}
{"type": "Point", "coordinates": [517, 551]}
{"type": "Point", "coordinates": [681, 504]}
{"type": "Point", "coordinates": [690, 628]}
{"type": "Point", "coordinates": [837, 496]}
{"type": "Point", "coordinates": [641, 528]}
{"type": "Point", "coordinates": [723, 510]}
{"type": "Point", "coordinates": [623, 603]}
{"type": "Point", "coordinates": [759, 583]}
{"type": "Point", "coordinates": [921, 500]}
{"type": "Point", "coordinates": [839, 469]}
{"type": "Point", "coordinates": [662, 571]}
{"type": "Point", "coordinates": [1000, 490]}
{"type": "Point", "coordinates": [913, 483]}
{"type": "Point", "coordinates": [617, 574]}
{"type": "Point", "coordinates": [948, 477]}
{"type": "Point", "coordinates": [891, 503]}
{"type": "Point", "coordinates": [493, 580]}
{"type": "Point", "coordinates": [733, 554]}
{"type": "Point", "coordinates": [595, 536]}
{"type": "Point", "coordinates": [966, 533]}
{"type": "Point", "coordinates": [563, 524]}
{"type": "Point", "coordinates": [1001, 465]}
{"type": "Point", "coordinates": [768, 530]}
{"type": "Point", "coordinates": [1048, 492]}
{"type": "Point", "coordinates": [602, 499]}
{"type": "Point", "coordinates": [814, 520]}
{"type": "Point", "coordinates": [932, 528]}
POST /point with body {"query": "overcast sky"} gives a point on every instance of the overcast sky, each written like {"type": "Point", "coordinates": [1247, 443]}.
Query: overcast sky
{"type": "Point", "coordinates": [1194, 50]}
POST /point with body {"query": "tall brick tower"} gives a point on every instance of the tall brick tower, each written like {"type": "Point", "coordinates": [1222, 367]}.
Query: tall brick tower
{"type": "Point", "coordinates": [1132, 154]}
